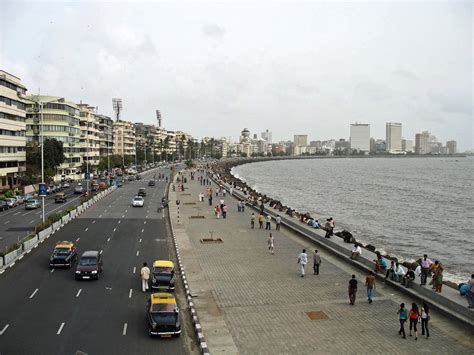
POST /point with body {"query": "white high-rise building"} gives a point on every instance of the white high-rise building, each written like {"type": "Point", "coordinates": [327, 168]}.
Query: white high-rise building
{"type": "Point", "coordinates": [360, 137]}
{"type": "Point", "coordinates": [267, 135]}
{"type": "Point", "coordinates": [393, 137]}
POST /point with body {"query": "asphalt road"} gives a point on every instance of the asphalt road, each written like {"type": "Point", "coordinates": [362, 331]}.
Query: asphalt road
{"type": "Point", "coordinates": [49, 312]}
{"type": "Point", "coordinates": [16, 223]}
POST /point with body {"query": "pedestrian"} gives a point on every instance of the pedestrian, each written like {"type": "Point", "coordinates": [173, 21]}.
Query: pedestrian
{"type": "Point", "coordinates": [222, 203]}
{"type": "Point", "coordinates": [408, 278]}
{"type": "Point", "coordinates": [370, 284]}
{"type": "Point", "coordinates": [352, 290]}
{"type": "Point", "coordinates": [268, 224]}
{"type": "Point", "coordinates": [425, 268]}
{"type": "Point", "coordinates": [316, 262]}
{"type": "Point", "coordinates": [218, 211]}
{"type": "Point", "coordinates": [438, 278]}
{"type": "Point", "coordinates": [302, 261]}
{"type": "Point", "coordinates": [239, 209]}
{"type": "Point", "coordinates": [252, 221]}
{"type": "Point", "coordinates": [356, 251]}
{"type": "Point", "coordinates": [145, 274]}
{"type": "Point", "coordinates": [231, 190]}
{"type": "Point", "coordinates": [327, 227]}
{"type": "Point", "coordinates": [278, 222]}
{"type": "Point", "coordinates": [262, 207]}
{"type": "Point", "coordinates": [224, 211]}
{"type": "Point", "coordinates": [224, 191]}
{"type": "Point", "coordinates": [271, 244]}
{"type": "Point", "coordinates": [260, 221]}
{"type": "Point", "coordinates": [242, 206]}
{"type": "Point", "coordinates": [425, 318]}
{"type": "Point", "coordinates": [402, 316]}
{"type": "Point", "coordinates": [470, 292]}
{"type": "Point", "coordinates": [210, 200]}
{"type": "Point", "coordinates": [414, 315]}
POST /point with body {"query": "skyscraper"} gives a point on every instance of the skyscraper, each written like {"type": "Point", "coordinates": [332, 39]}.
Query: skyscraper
{"type": "Point", "coordinates": [300, 140]}
{"type": "Point", "coordinates": [267, 135]}
{"type": "Point", "coordinates": [393, 137]}
{"type": "Point", "coordinates": [360, 137]}
{"type": "Point", "coordinates": [451, 147]}
{"type": "Point", "coordinates": [422, 143]}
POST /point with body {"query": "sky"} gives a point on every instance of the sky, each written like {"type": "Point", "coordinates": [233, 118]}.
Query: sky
{"type": "Point", "coordinates": [213, 68]}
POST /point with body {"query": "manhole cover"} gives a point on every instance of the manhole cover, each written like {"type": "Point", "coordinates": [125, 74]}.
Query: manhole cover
{"type": "Point", "coordinates": [211, 240]}
{"type": "Point", "coordinates": [185, 194]}
{"type": "Point", "coordinates": [317, 315]}
{"type": "Point", "coordinates": [189, 203]}
{"type": "Point", "coordinates": [197, 217]}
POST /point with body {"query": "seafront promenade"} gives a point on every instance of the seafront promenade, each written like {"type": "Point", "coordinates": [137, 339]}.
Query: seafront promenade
{"type": "Point", "coordinates": [251, 302]}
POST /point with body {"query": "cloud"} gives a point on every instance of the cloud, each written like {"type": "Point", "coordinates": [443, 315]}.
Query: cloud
{"type": "Point", "coordinates": [213, 30]}
{"type": "Point", "coordinates": [451, 102]}
{"type": "Point", "coordinates": [405, 74]}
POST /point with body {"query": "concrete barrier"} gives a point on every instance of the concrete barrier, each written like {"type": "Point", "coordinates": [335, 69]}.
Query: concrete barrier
{"type": "Point", "coordinates": [10, 257]}
{"type": "Point", "coordinates": [30, 243]}
{"type": "Point", "coordinates": [73, 213]}
{"type": "Point", "coordinates": [44, 233]}
{"type": "Point", "coordinates": [65, 219]}
{"type": "Point", "coordinates": [1, 262]}
{"type": "Point", "coordinates": [56, 225]}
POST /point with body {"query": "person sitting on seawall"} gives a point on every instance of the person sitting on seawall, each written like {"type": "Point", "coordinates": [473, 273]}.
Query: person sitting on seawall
{"type": "Point", "coordinates": [390, 271]}
{"type": "Point", "coordinates": [380, 264]}
{"type": "Point", "coordinates": [356, 251]}
{"type": "Point", "coordinates": [408, 278]}
{"type": "Point", "coordinates": [316, 224]}
{"type": "Point", "coordinates": [398, 273]}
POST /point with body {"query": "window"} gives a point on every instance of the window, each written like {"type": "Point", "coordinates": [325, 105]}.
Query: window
{"type": "Point", "coordinates": [10, 102]}
{"type": "Point", "coordinates": [12, 86]}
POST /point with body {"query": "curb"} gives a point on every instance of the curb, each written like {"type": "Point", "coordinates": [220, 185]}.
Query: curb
{"type": "Point", "coordinates": [189, 298]}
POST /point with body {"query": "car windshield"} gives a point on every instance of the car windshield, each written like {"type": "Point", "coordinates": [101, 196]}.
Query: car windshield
{"type": "Point", "coordinates": [61, 251]}
{"type": "Point", "coordinates": [31, 201]}
{"type": "Point", "coordinates": [138, 199]}
{"type": "Point", "coordinates": [162, 270]}
{"type": "Point", "coordinates": [88, 261]}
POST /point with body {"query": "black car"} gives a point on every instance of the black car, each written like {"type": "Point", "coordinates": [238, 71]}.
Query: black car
{"type": "Point", "coordinates": [151, 183]}
{"type": "Point", "coordinates": [64, 254]}
{"type": "Point", "coordinates": [3, 206]}
{"type": "Point", "coordinates": [141, 192]}
{"type": "Point", "coordinates": [138, 177]}
{"type": "Point", "coordinates": [163, 275]}
{"type": "Point", "coordinates": [162, 315]}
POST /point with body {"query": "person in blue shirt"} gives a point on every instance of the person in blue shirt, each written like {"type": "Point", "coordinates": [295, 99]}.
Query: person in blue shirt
{"type": "Point", "coordinates": [402, 316]}
{"type": "Point", "coordinates": [381, 264]}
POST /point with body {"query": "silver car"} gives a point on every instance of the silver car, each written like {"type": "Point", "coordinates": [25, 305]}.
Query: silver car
{"type": "Point", "coordinates": [32, 204]}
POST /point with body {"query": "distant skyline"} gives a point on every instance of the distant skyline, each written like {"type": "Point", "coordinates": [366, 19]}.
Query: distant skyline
{"type": "Point", "coordinates": [291, 67]}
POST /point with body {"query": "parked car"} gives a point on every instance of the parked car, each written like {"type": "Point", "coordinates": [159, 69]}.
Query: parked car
{"type": "Point", "coordinates": [89, 266]}
{"type": "Point", "coordinates": [66, 185]}
{"type": "Point", "coordinates": [64, 254]}
{"type": "Point", "coordinates": [32, 204]}
{"type": "Point", "coordinates": [163, 275]}
{"type": "Point", "coordinates": [138, 201]}
{"type": "Point", "coordinates": [3, 205]}
{"type": "Point", "coordinates": [11, 202]}
{"type": "Point", "coordinates": [162, 314]}
{"type": "Point", "coordinates": [60, 197]}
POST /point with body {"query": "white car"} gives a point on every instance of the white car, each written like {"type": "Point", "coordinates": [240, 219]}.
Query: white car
{"type": "Point", "coordinates": [138, 201]}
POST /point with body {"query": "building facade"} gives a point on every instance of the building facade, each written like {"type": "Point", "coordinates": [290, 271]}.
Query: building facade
{"type": "Point", "coordinates": [451, 147]}
{"type": "Point", "coordinates": [61, 121]}
{"type": "Point", "coordinates": [12, 131]}
{"type": "Point", "coordinates": [407, 145]}
{"type": "Point", "coordinates": [267, 136]}
{"type": "Point", "coordinates": [393, 139]}
{"type": "Point", "coordinates": [90, 140]}
{"type": "Point", "coordinates": [106, 142]}
{"type": "Point", "coordinates": [124, 138]}
{"type": "Point", "coordinates": [360, 137]}
{"type": "Point", "coordinates": [422, 143]}
{"type": "Point", "coordinates": [300, 140]}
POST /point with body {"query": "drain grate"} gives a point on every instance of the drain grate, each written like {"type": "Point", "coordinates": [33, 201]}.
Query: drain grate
{"type": "Point", "coordinates": [197, 217]}
{"type": "Point", "coordinates": [189, 203]}
{"type": "Point", "coordinates": [317, 315]}
{"type": "Point", "coordinates": [211, 240]}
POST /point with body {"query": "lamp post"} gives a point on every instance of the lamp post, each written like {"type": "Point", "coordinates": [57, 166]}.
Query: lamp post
{"type": "Point", "coordinates": [42, 161]}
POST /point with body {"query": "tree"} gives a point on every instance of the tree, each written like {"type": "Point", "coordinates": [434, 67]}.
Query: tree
{"type": "Point", "coordinates": [53, 157]}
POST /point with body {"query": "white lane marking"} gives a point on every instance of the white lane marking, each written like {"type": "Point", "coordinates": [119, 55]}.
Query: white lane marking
{"type": "Point", "coordinates": [134, 269]}
{"type": "Point", "coordinates": [93, 221]}
{"type": "Point", "coordinates": [16, 213]}
{"type": "Point", "coordinates": [130, 293]}
{"type": "Point", "coordinates": [143, 230]}
{"type": "Point", "coordinates": [126, 211]}
{"type": "Point", "coordinates": [85, 230]}
{"type": "Point", "coordinates": [100, 216]}
{"type": "Point", "coordinates": [138, 252]}
{"type": "Point", "coordinates": [77, 239]}
{"type": "Point", "coordinates": [124, 329]}
{"type": "Point", "coordinates": [6, 222]}
{"type": "Point", "coordinates": [144, 222]}
{"type": "Point", "coordinates": [101, 251]}
{"type": "Point", "coordinates": [140, 240]}
{"type": "Point", "coordinates": [123, 216]}
{"type": "Point", "coordinates": [105, 211]}
{"type": "Point", "coordinates": [4, 329]}
{"type": "Point", "coordinates": [119, 222]}
{"type": "Point", "coordinates": [33, 294]}
{"type": "Point", "coordinates": [60, 328]}
{"type": "Point", "coordinates": [108, 240]}
{"type": "Point", "coordinates": [115, 229]}
{"type": "Point", "coordinates": [32, 221]}
{"type": "Point", "coordinates": [79, 292]}
{"type": "Point", "coordinates": [52, 270]}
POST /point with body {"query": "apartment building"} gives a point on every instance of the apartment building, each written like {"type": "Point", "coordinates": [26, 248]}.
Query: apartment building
{"type": "Point", "coordinates": [90, 139]}
{"type": "Point", "coordinates": [60, 121]}
{"type": "Point", "coordinates": [124, 138]}
{"type": "Point", "coordinates": [106, 142]}
{"type": "Point", "coordinates": [360, 137]}
{"type": "Point", "coordinates": [12, 131]}
{"type": "Point", "coordinates": [393, 137]}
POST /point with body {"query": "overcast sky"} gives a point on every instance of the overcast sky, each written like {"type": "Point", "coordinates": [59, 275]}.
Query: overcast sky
{"type": "Point", "coordinates": [292, 67]}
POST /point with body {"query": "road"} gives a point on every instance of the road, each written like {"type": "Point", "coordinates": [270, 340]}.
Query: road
{"type": "Point", "coordinates": [16, 223]}
{"type": "Point", "coordinates": [49, 312]}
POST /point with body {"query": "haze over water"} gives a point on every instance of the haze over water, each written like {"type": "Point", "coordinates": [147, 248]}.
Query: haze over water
{"type": "Point", "coordinates": [405, 206]}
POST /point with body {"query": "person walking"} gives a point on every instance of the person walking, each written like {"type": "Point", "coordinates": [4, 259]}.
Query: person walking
{"type": "Point", "coordinates": [145, 275]}
{"type": "Point", "coordinates": [425, 269]}
{"type": "Point", "coordinates": [224, 211]}
{"type": "Point", "coordinates": [414, 315]}
{"type": "Point", "coordinates": [402, 316]}
{"type": "Point", "coordinates": [352, 290]}
{"type": "Point", "coordinates": [316, 262]}
{"type": "Point", "coordinates": [271, 244]}
{"type": "Point", "coordinates": [425, 318]}
{"type": "Point", "coordinates": [302, 261]}
{"type": "Point", "coordinates": [268, 224]}
{"type": "Point", "coordinates": [260, 221]}
{"type": "Point", "coordinates": [370, 284]}
{"type": "Point", "coordinates": [278, 222]}
{"type": "Point", "coordinates": [252, 221]}
{"type": "Point", "coordinates": [239, 209]}
{"type": "Point", "coordinates": [242, 206]}
{"type": "Point", "coordinates": [470, 292]}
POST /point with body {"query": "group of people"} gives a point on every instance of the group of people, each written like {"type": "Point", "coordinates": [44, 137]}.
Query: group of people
{"type": "Point", "coordinates": [414, 316]}
{"type": "Point", "coordinates": [303, 260]}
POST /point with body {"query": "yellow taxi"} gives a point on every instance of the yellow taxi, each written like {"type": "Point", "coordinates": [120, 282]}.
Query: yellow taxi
{"type": "Point", "coordinates": [162, 315]}
{"type": "Point", "coordinates": [64, 254]}
{"type": "Point", "coordinates": [163, 275]}
{"type": "Point", "coordinates": [60, 197]}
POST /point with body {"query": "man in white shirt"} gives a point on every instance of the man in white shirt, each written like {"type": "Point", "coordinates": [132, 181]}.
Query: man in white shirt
{"type": "Point", "coordinates": [398, 272]}
{"type": "Point", "coordinates": [356, 251]}
{"type": "Point", "coordinates": [302, 261]}
{"type": "Point", "coordinates": [278, 222]}
{"type": "Point", "coordinates": [145, 274]}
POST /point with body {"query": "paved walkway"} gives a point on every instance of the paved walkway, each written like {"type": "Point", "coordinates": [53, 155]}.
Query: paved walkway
{"type": "Point", "coordinates": [252, 302]}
